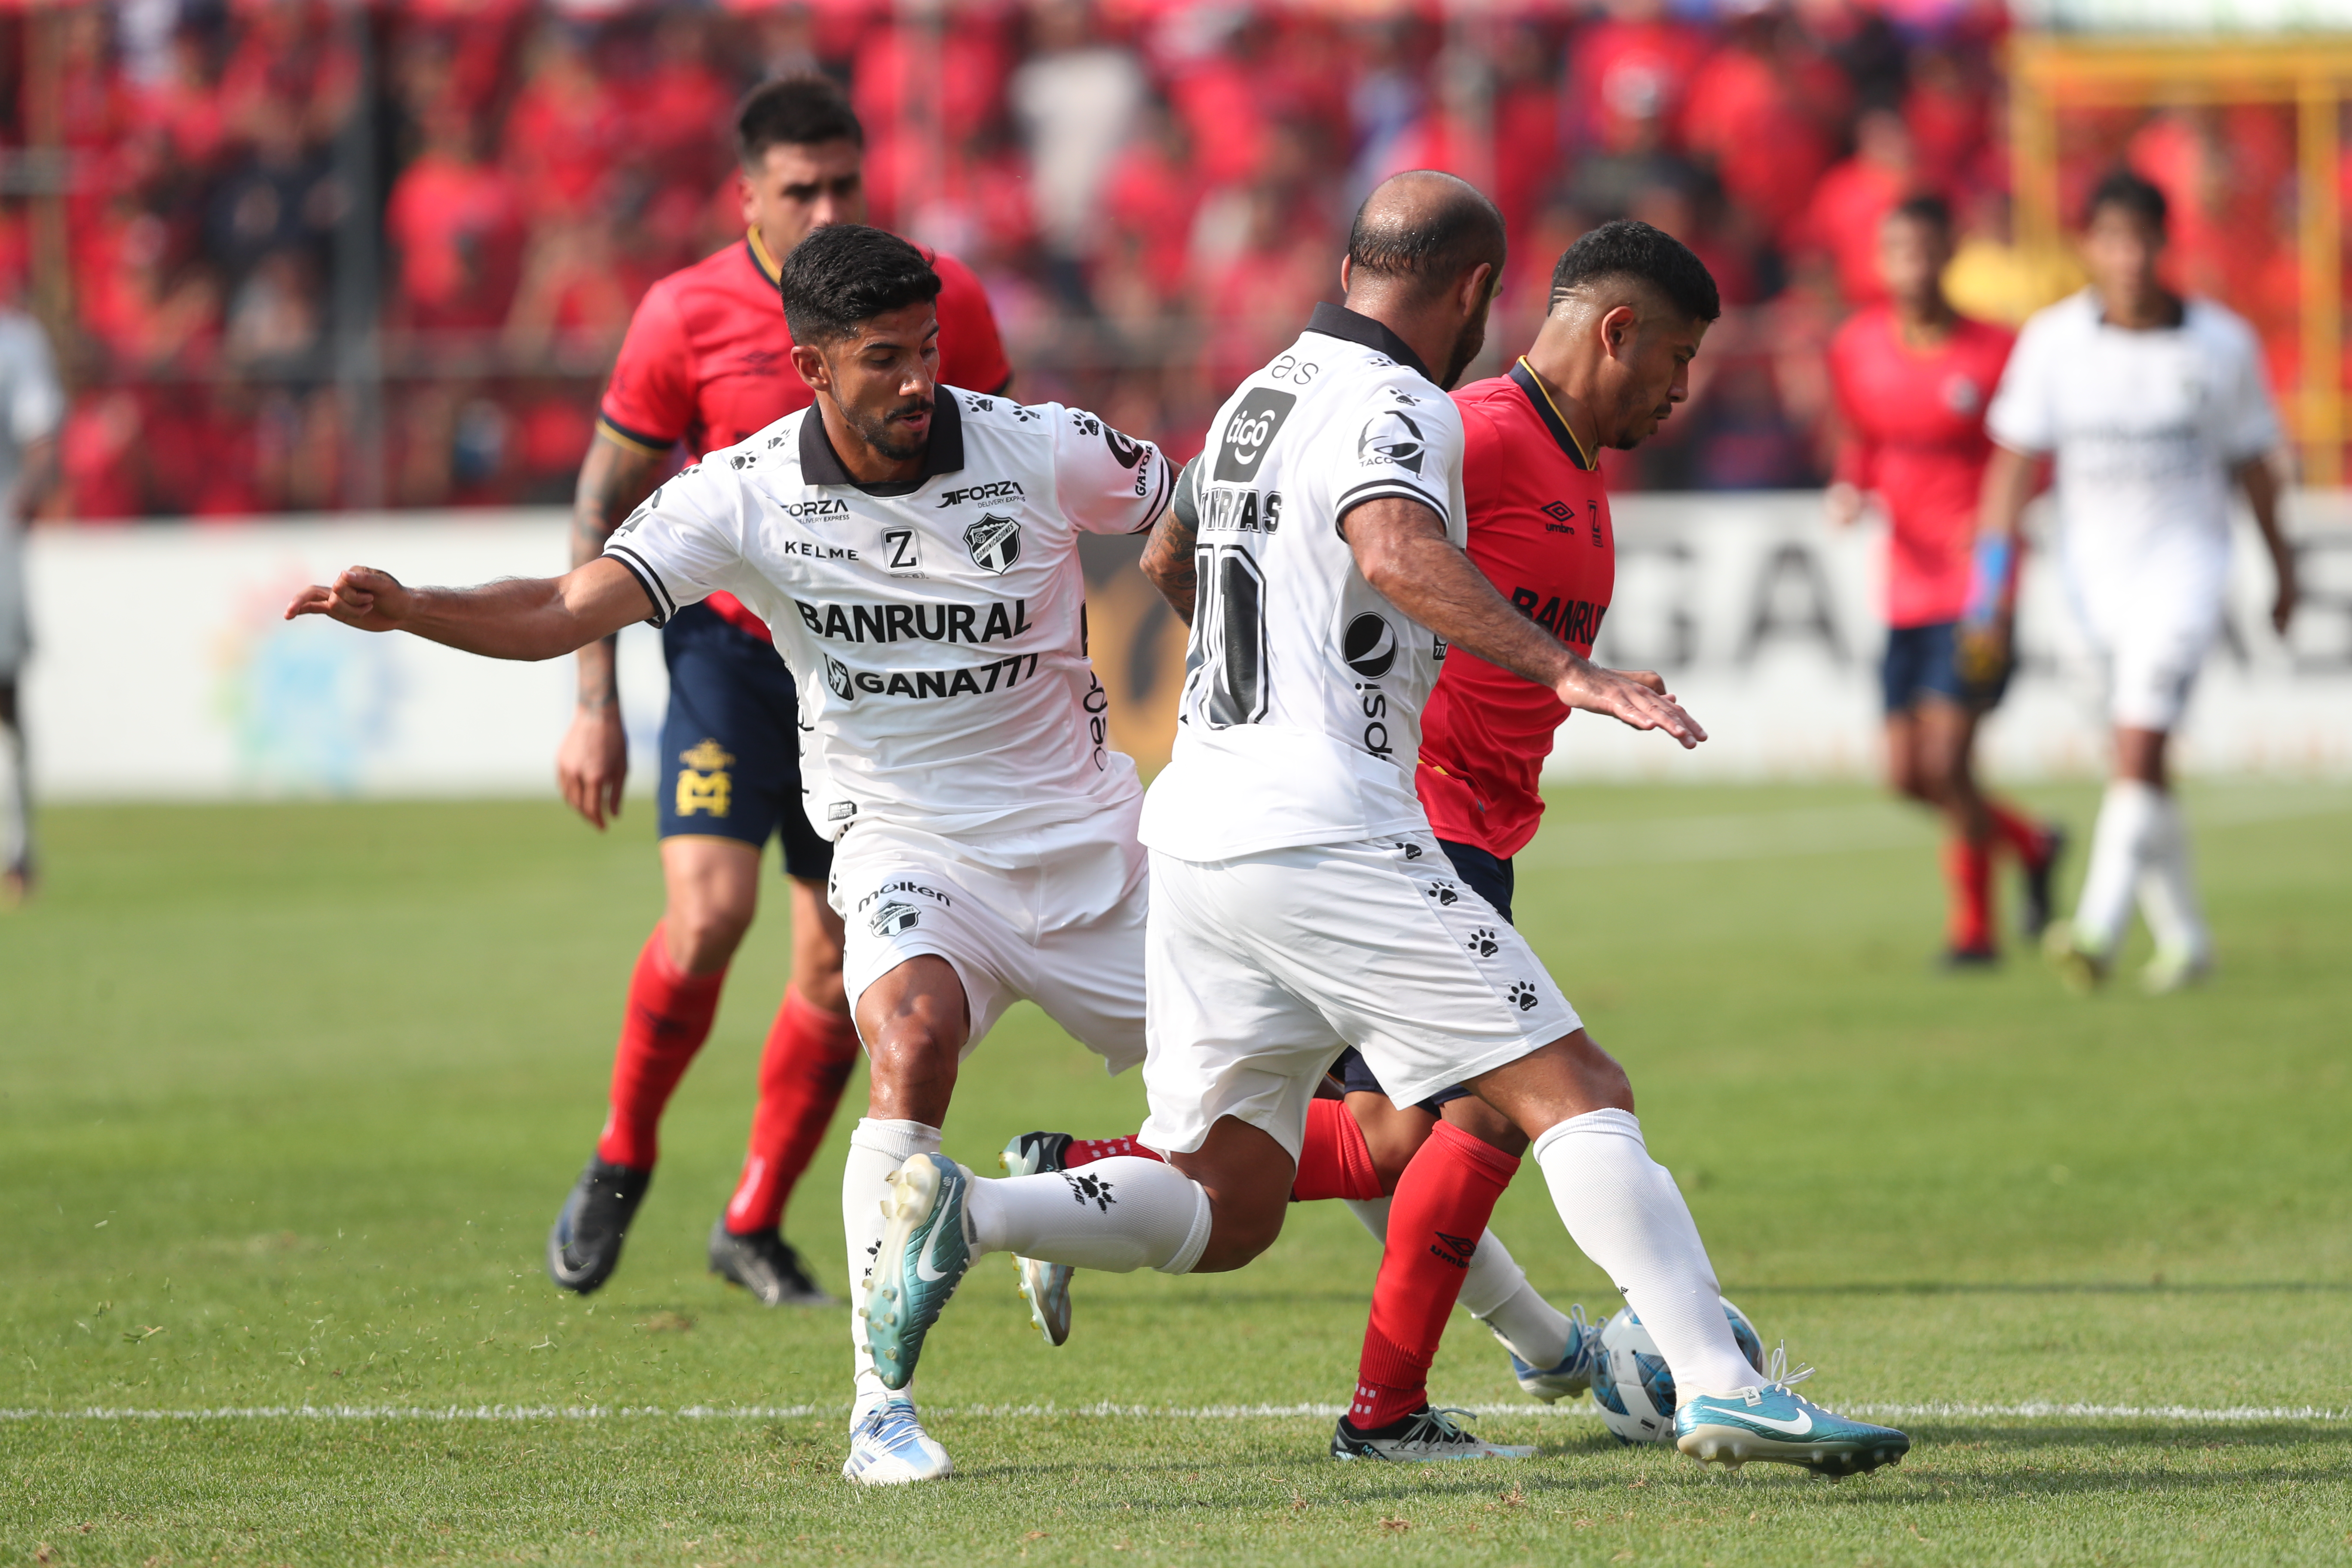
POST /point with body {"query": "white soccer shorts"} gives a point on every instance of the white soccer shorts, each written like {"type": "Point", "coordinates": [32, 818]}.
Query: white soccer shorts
{"type": "Point", "coordinates": [1056, 917]}
{"type": "Point", "coordinates": [1263, 968]}
{"type": "Point", "coordinates": [2150, 621]}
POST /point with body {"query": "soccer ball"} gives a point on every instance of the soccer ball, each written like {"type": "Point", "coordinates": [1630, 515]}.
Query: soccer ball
{"type": "Point", "coordinates": [1631, 1383]}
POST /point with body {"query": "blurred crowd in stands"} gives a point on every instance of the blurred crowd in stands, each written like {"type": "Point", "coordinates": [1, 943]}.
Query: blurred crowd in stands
{"type": "Point", "coordinates": [302, 255]}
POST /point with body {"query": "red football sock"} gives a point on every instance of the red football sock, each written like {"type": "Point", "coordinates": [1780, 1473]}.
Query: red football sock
{"type": "Point", "coordinates": [668, 1018]}
{"type": "Point", "coordinates": [1442, 1202]}
{"type": "Point", "coordinates": [2018, 833]}
{"type": "Point", "coordinates": [1086, 1151]}
{"type": "Point", "coordinates": [802, 1074]}
{"type": "Point", "coordinates": [1334, 1162]}
{"type": "Point", "coordinates": [1968, 872]}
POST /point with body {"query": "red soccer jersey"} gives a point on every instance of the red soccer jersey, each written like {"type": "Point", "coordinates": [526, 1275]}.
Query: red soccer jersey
{"type": "Point", "coordinates": [1540, 530]}
{"type": "Point", "coordinates": [1915, 435]}
{"type": "Point", "coordinates": [707, 360]}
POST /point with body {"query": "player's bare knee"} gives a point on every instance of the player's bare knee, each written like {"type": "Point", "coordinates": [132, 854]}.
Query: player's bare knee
{"type": "Point", "coordinates": [1240, 1228]}
{"type": "Point", "coordinates": [1472, 1115]}
{"type": "Point", "coordinates": [705, 933]}
{"type": "Point", "coordinates": [1392, 1134]}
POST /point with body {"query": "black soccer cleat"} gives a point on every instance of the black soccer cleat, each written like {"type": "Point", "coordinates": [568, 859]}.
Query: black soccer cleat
{"type": "Point", "coordinates": [2036, 916]}
{"type": "Point", "coordinates": [1034, 1152]}
{"type": "Point", "coordinates": [584, 1245]}
{"type": "Point", "coordinates": [1959, 959]}
{"type": "Point", "coordinates": [764, 1264]}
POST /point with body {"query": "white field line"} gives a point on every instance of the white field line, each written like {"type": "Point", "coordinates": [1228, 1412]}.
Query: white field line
{"type": "Point", "coordinates": [2034, 1411]}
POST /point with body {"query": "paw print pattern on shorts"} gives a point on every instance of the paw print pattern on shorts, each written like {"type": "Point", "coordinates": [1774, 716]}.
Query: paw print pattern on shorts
{"type": "Point", "coordinates": [1522, 996]}
{"type": "Point", "coordinates": [1484, 942]}
{"type": "Point", "coordinates": [1443, 892]}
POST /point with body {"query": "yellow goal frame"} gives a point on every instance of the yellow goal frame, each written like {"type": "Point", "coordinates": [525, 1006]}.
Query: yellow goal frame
{"type": "Point", "coordinates": [2049, 72]}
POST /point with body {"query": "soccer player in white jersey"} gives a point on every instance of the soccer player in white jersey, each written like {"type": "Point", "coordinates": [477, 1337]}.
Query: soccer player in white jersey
{"type": "Point", "coordinates": [32, 406]}
{"type": "Point", "coordinates": [1299, 902]}
{"type": "Point", "coordinates": [2153, 407]}
{"type": "Point", "coordinates": [915, 549]}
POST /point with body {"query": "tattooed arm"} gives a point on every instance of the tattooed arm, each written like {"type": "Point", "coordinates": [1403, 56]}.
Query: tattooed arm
{"type": "Point", "coordinates": [1167, 555]}
{"type": "Point", "coordinates": [593, 762]}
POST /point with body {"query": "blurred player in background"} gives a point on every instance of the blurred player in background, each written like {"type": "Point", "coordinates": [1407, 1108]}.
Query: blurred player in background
{"type": "Point", "coordinates": [2153, 406]}
{"type": "Point", "coordinates": [706, 361]}
{"type": "Point", "coordinates": [1912, 378]}
{"type": "Point", "coordinates": [32, 405]}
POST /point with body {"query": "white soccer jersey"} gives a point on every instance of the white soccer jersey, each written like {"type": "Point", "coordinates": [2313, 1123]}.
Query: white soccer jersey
{"type": "Point", "coordinates": [2146, 427]}
{"type": "Point", "coordinates": [32, 405]}
{"type": "Point", "coordinates": [936, 630]}
{"type": "Point", "coordinates": [1300, 722]}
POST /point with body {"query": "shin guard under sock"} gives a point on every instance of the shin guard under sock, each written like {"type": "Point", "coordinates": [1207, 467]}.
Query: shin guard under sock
{"type": "Point", "coordinates": [1968, 875]}
{"type": "Point", "coordinates": [1436, 1220]}
{"type": "Point", "coordinates": [1623, 1209]}
{"type": "Point", "coordinates": [802, 1074]}
{"type": "Point", "coordinates": [1120, 1214]}
{"type": "Point", "coordinates": [668, 1018]}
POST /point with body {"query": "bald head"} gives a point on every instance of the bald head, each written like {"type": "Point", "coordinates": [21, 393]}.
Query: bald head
{"type": "Point", "coordinates": [1421, 231]}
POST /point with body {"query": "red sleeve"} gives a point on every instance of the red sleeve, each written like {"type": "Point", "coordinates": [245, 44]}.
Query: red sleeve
{"type": "Point", "coordinates": [1482, 478]}
{"type": "Point", "coordinates": [971, 355]}
{"type": "Point", "coordinates": [1857, 457]}
{"type": "Point", "coordinates": [649, 402]}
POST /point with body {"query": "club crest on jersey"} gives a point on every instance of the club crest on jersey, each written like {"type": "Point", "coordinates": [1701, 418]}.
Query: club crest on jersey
{"type": "Point", "coordinates": [893, 918]}
{"type": "Point", "coordinates": [1390, 436]}
{"type": "Point", "coordinates": [994, 543]}
{"type": "Point", "coordinates": [837, 679]}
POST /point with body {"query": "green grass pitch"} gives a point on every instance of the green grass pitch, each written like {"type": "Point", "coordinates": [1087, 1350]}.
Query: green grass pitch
{"type": "Point", "coordinates": [288, 1095]}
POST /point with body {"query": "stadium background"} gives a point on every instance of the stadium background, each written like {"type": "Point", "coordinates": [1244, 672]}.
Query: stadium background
{"type": "Point", "coordinates": [373, 261]}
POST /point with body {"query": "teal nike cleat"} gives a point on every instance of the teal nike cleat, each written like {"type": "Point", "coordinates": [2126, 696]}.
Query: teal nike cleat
{"type": "Point", "coordinates": [1045, 1286]}
{"type": "Point", "coordinates": [924, 1254]}
{"type": "Point", "coordinates": [1575, 1371]}
{"type": "Point", "coordinates": [1772, 1424]}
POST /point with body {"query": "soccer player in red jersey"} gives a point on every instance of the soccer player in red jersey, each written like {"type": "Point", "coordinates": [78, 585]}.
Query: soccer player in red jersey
{"type": "Point", "coordinates": [706, 363]}
{"type": "Point", "coordinates": [1913, 378]}
{"type": "Point", "coordinates": [1630, 307]}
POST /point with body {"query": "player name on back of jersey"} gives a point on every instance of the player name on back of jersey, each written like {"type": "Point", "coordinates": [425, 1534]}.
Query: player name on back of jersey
{"type": "Point", "coordinates": [1305, 685]}
{"type": "Point", "coordinates": [934, 627]}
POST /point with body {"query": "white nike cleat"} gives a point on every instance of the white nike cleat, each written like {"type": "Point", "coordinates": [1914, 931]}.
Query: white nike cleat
{"type": "Point", "coordinates": [1421, 1437]}
{"type": "Point", "coordinates": [889, 1448]}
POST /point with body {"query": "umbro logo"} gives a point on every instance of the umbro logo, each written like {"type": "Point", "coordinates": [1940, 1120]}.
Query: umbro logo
{"type": "Point", "coordinates": [1454, 1249]}
{"type": "Point", "coordinates": [1558, 511]}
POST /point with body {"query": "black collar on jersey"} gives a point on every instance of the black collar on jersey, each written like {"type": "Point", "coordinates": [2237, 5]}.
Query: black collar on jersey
{"type": "Point", "coordinates": [820, 466]}
{"type": "Point", "coordinates": [1548, 412]}
{"type": "Point", "coordinates": [1339, 321]}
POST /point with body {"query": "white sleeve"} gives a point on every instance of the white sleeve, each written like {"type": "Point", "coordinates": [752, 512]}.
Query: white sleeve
{"type": "Point", "coordinates": [685, 542]}
{"type": "Point", "coordinates": [1397, 443]}
{"type": "Point", "coordinates": [1106, 481]}
{"type": "Point", "coordinates": [2020, 417]}
{"type": "Point", "coordinates": [36, 404]}
{"type": "Point", "coordinates": [2249, 422]}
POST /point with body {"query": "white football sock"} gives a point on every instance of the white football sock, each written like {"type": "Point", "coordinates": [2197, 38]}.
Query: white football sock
{"type": "Point", "coordinates": [2167, 886]}
{"type": "Point", "coordinates": [2119, 847]}
{"type": "Point", "coordinates": [15, 801]}
{"type": "Point", "coordinates": [1495, 1290]}
{"type": "Point", "coordinates": [1115, 1215]}
{"type": "Point", "coordinates": [877, 1150]}
{"type": "Point", "coordinates": [1626, 1213]}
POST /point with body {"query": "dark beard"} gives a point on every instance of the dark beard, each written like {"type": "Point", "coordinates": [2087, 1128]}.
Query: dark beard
{"type": "Point", "coordinates": [890, 439]}
{"type": "Point", "coordinates": [1465, 347]}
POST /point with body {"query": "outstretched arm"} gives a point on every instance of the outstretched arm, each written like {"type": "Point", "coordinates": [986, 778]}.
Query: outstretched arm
{"type": "Point", "coordinates": [518, 617]}
{"type": "Point", "coordinates": [1402, 549]}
